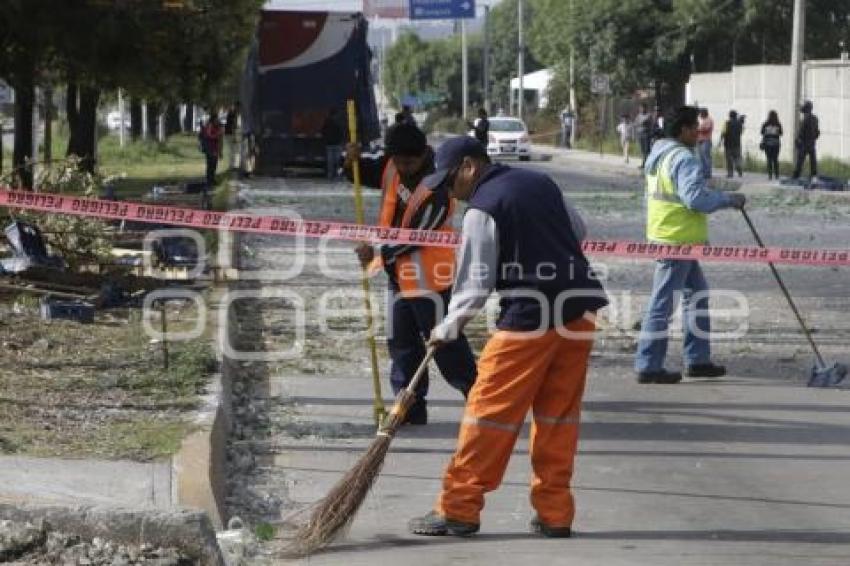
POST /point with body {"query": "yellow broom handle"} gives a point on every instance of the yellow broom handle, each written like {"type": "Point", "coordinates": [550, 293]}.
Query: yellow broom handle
{"type": "Point", "coordinates": [380, 410]}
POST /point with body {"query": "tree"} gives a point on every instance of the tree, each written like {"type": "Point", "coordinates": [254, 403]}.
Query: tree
{"type": "Point", "coordinates": [162, 51]}
{"type": "Point", "coordinates": [503, 47]}
{"type": "Point", "coordinates": [25, 54]}
{"type": "Point", "coordinates": [416, 67]}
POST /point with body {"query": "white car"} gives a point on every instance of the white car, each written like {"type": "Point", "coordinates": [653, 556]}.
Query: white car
{"type": "Point", "coordinates": [509, 138]}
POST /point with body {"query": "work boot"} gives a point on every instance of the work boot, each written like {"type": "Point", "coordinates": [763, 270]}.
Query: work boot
{"type": "Point", "coordinates": [661, 376]}
{"type": "Point", "coordinates": [540, 528]}
{"type": "Point", "coordinates": [417, 414]}
{"type": "Point", "coordinates": [435, 525]}
{"type": "Point", "coordinates": [706, 370]}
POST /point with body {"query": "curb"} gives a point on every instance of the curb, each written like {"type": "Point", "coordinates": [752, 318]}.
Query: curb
{"type": "Point", "coordinates": [199, 469]}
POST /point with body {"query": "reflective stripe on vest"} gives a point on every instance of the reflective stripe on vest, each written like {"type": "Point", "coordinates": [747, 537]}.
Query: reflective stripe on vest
{"type": "Point", "coordinates": [668, 219]}
{"type": "Point", "coordinates": [426, 269]}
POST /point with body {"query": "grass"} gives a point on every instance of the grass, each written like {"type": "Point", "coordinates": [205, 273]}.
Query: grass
{"type": "Point", "coordinates": [97, 390]}
{"type": "Point", "coordinates": [264, 532]}
{"type": "Point", "coordinates": [138, 166]}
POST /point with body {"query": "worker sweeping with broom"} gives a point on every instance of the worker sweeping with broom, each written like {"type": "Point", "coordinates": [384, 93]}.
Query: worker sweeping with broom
{"type": "Point", "coordinates": [419, 277]}
{"type": "Point", "coordinates": [521, 239]}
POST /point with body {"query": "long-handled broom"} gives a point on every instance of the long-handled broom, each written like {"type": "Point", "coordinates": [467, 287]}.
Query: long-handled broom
{"type": "Point", "coordinates": [822, 374]}
{"type": "Point", "coordinates": [337, 509]}
{"type": "Point", "coordinates": [378, 405]}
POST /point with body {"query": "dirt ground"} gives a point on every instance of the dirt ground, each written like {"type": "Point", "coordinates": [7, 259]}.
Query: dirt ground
{"type": "Point", "coordinates": [95, 390]}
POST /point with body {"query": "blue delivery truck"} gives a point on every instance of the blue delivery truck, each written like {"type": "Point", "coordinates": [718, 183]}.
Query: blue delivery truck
{"type": "Point", "coordinates": [302, 65]}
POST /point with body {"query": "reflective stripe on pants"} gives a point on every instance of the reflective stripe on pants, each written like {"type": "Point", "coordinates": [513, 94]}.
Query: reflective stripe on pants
{"type": "Point", "coordinates": [515, 374]}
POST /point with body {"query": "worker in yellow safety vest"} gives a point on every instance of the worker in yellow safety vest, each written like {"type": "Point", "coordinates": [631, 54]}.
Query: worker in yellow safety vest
{"type": "Point", "coordinates": [678, 202]}
{"type": "Point", "coordinates": [420, 277]}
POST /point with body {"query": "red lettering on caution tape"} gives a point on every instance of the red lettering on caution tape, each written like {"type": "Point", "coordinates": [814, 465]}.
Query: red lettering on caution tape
{"type": "Point", "coordinates": [253, 223]}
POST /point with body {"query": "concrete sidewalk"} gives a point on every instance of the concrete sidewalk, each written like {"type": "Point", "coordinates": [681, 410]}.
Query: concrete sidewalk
{"type": "Point", "coordinates": [752, 469]}
{"type": "Point", "coordinates": [741, 472]}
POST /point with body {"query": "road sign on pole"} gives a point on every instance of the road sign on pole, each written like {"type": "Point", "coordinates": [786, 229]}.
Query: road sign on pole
{"type": "Point", "coordinates": [600, 84]}
{"type": "Point", "coordinates": [442, 9]}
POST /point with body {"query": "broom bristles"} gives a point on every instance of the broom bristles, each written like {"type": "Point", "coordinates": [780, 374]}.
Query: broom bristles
{"type": "Point", "coordinates": [334, 513]}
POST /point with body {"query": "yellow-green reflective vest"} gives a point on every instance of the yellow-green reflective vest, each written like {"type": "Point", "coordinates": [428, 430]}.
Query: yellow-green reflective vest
{"type": "Point", "coordinates": [668, 220]}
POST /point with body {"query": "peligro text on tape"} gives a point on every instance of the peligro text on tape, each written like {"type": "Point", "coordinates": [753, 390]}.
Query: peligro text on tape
{"type": "Point", "coordinates": [253, 223]}
{"type": "Point", "coordinates": [230, 221]}
{"type": "Point", "coordinates": [718, 253]}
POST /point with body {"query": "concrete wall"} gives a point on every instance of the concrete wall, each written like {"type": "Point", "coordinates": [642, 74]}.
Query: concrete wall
{"type": "Point", "coordinates": [754, 90]}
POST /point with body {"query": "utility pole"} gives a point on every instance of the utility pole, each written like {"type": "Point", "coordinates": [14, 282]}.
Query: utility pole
{"type": "Point", "coordinates": [520, 25]}
{"type": "Point", "coordinates": [573, 100]}
{"type": "Point", "coordinates": [797, 50]}
{"type": "Point", "coordinates": [465, 70]}
{"type": "Point", "coordinates": [486, 89]}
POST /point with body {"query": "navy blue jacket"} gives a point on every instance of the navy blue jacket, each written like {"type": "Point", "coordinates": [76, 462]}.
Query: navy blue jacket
{"type": "Point", "coordinates": [539, 253]}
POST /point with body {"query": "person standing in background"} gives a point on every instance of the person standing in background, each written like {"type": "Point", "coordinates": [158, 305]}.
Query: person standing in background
{"type": "Point", "coordinates": [481, 127]}
{"type": "Point", "coordinates": [806, 142]}
{"type": "Point", "coordinates": [644, 124]}
{"type": "Point", "coordinates": [567, 125]}
{"type": "Point", "coordinates": [771, 141]}
{"type": "Point", "coordinates": [705, 130]}
{"type": "Point", "coordinates": [730, 137]}
{"type": "Point", "coordinates": [334, 137]}
{"type": "Point", "coordinates": [211, 135]}
{"type": "Point", "coordinates": [625, 129]}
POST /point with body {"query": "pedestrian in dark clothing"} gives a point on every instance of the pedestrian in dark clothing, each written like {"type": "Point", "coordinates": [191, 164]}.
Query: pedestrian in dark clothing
{"type": "Point", "coordinates": [730, 137]}
{"type": "Point", "coordinates": [334, 137]}
{"type": "Point", "coordinates": [406, 116]}
{"type": "Point", "coordinates": [230, 126]}
{"type": "Point", "coordinates": [643, 128]}
{"type": "Point", "coordinates": [211, 136]}
{"type": "Point", "coordinates": [568, 120]}
{"type": "Point", "coordinates": [771, 141]}
{"type": "Point", "coordinates": [481, 126]}
{"type": "Point", "coordinates": [806, 141]}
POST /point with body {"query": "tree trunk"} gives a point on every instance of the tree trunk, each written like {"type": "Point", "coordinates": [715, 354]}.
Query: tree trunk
{"type": "Point", "coordinates": [153, 120]}
{"type": "Point", "coordinates": [189, 118]}
{"type": "Point", "coordinates": [73, 113]}
{"type": "Point", "coordinates": [87, 125]}
{"type": "Point", "coordinates": [135, 118]}
{"type": "Point", "coordinates": [48, 125]}
{"type": "Point", "coordinates": [24, 102]}
{"type": "Point", "coordinates": [172, 120]}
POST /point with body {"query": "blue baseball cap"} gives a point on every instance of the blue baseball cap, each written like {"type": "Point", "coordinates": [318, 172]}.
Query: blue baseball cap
{"type": "Point", "coordinates": [450, 155]}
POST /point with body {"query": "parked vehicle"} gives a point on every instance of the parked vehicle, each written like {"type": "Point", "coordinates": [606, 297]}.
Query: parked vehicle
{"type": "Point", "coordinates": [508, 138]}
{"type": "Point", "coordinates": [302, 65]}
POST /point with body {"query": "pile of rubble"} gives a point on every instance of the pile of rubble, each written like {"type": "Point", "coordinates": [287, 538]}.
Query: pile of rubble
{"type": "Point", "coordinates": [36, 543]}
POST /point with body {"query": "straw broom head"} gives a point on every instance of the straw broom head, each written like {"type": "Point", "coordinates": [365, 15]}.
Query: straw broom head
{"type": "Point", "coordinates": [334, 513]}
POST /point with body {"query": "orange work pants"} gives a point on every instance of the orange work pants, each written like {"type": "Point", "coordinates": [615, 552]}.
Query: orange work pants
{"type": "Point", "coordinates": [517, 373]}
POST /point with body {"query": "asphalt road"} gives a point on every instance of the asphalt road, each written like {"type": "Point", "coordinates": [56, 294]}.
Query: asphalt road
{"type": "Point", "coordinates": [750, 469]}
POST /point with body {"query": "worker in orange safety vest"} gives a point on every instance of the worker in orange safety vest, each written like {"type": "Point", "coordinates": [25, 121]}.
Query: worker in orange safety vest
{"type": "Point", "coordinates": [420, 277]}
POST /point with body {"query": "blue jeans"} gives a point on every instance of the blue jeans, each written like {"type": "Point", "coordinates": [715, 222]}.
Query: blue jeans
{"type": "Point", "coordinates": [672, 276]}
{"type": "Point", "coordinates": [410, 326]}
{"type": "Point", "coordinates": [704, 148]}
